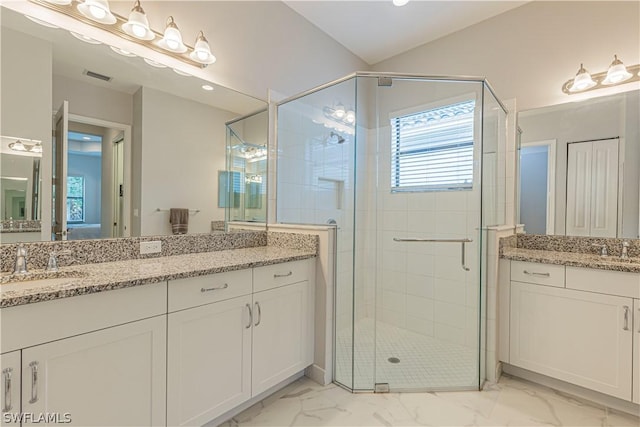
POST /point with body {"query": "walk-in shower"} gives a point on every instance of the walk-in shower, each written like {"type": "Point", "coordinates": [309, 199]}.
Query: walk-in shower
{"type": "Point", "coordinates": [411, 169]}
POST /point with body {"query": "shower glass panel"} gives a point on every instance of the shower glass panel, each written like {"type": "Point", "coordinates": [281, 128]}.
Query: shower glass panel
{"type": "Point", "coordinates": [404, 179]}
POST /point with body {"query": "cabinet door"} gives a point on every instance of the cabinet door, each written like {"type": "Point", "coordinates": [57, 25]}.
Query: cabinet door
{"type": "Point", "coordinates": [10, 393]}
{"type": "Point", "coordinates": [636, 351]}
{"type": "Point", "coordinates": [580, 337]}
{"type": "Point", "coordinates": [282, 334]}
{"type": "Point", "coordinates": [115, 377]}
{"type": "Point", "coordinates": [209, 361]}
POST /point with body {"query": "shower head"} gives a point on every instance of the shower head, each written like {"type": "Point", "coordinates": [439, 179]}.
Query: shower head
{"type": "Point", "coordinates": [335, 138]}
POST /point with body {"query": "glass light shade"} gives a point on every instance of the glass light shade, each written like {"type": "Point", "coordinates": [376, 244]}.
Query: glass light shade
{"type": "Point", "coordinates": [617, 72]}
{"type": "Point", "coordinates": [138, 25]}
{"type": "Point", "coordinates": [350, 116]}
{"type": "Point", "coordinates": [97, 10]}
{"type": "Point", "coordinates": [123, 52]}
{"type": "Point", "coordinates": [339, 111]}
{"type": "Point", "coordinates": [17, 146]}
{"type": "Point", "coordinates": [582, 81]}
{"type": "Point", "coordinates": [36, 148]}
{"type": "Point", "coordinates": [201, 51]}
{"type": "Point", "coordinates": [400, 2]}
{"type": "Point", "coordinates": [172, 39]}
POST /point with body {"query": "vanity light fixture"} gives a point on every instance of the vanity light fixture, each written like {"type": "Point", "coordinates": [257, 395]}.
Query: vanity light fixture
{"type": "Point", "coordinates": [134, 29]}
{"type": "Point", "coordinates": [202, 51]}
{"type": "Point", "coordinates": [17, 146]}
{"type": "Point", "coordinates": [138, 25]}
{"type": "Point", "coordinates": [339, 111]}
{"type": "Point", "coordinates": [616, 74]}
{"type": "Point", "coordinates": [98, 11]}
{"type": "Point", "coordinates": [172, 39]}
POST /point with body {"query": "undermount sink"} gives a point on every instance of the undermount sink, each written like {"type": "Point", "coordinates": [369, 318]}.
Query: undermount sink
{"type": "Point", "coordinates": [39, 279]}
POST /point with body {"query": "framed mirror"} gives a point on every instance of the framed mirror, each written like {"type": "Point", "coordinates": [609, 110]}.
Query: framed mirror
{"type": "Point", "coordinates": [579, 167]}
{"type": "Point", "coordinates": [133, 142]}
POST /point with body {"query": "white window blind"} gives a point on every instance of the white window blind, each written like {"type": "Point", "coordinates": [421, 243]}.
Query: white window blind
{"type": "Point", "coordinates": [433, 150]}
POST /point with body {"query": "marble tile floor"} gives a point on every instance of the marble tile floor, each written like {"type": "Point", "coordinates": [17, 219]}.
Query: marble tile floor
{"type": "Point", "coordinates": [510, 402]}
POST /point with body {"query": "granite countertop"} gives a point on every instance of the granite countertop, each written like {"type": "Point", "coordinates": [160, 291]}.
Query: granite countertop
{"type": "Point", "coordinates": [93, 278]}
{"type": "Point", "coordinates": [574, 259]}
{"type": "Point", "coordinates": [20, 230]}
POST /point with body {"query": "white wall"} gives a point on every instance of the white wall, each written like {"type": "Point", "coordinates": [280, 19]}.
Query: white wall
{"type": "Point", "coordinates": [528, 53]}
{"type": "Point", "coordinates": [181, 160]}
{"type": "Point", "coordinates": [25, 97]}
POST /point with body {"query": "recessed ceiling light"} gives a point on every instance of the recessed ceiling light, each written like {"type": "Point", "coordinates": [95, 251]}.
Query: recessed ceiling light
{"type": "Point", "coordinates": [84, 38]}
{"type": "Point", "coordinates": [207, 87]}
{"type": "Point", "coordinates": [122, 52]}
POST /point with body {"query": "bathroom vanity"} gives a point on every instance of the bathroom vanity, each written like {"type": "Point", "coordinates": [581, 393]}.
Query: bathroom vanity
{"type": "Point", "coordinates": [178, 340]}
{"type": "Point", "coordinates": [573, 317]}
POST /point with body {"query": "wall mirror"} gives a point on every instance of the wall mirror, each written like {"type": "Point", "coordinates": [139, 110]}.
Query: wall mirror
{"type": "Point", "coordinates": [579, 167]}
{"type": "Point", "coordinates": [130, 141]}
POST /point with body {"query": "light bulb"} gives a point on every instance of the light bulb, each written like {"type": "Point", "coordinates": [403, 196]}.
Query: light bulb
{"type": "Point", "coordinates": [138, 30]}
{"type": "Point", "coordinates": [172, 39]}
{"type": "Point", "coordinates": [617, 72]}
{"type": "Point", "coordinates": [350, 116]}
{"type": "Point", "coordinates": [202, 51]}
{"type": "Point", "coordinates": [340, 111]}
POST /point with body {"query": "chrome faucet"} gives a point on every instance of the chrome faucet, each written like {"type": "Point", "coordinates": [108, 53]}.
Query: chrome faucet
{"type": "Point", "coordinates": [603, 249]}
{"type": "Point", "coordinates": [52, 265]}
{"type": "Point", "coordinates": [20, 267]}
{"type": "Point", "coordinates": [625, 250]}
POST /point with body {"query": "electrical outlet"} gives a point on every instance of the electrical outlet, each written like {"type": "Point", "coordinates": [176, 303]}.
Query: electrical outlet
{"type": "Point", "coordinates": [152, 247]}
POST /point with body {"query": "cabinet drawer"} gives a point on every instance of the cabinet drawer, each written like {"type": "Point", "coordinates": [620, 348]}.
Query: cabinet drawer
{"type": "Point", "coordinates": [194, 291]}
{"type": "Point", "coordinates": [273, 276]}
{"type": "Point", "coordinates": [604, 281]}
{"type": "Point", "coordinates": [540, 274]}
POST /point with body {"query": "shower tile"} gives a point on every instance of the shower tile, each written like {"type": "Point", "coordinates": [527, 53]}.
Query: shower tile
{"type": "Point", "coordinates": [451, 291]}
{"type": "Point", "coordinates": [419, 285]}
{"type": "Point", "coordinates": [420, 308]}
{"type": "Point", "coordinates": [449, 334]}
{"type": "Point", "coordinates": [451, 201]}
{"type": "Point", "coordinates": [450, 314]}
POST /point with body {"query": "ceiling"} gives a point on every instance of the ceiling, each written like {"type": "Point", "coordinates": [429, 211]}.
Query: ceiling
{"type": "Point", "coordinates": [377, 30]}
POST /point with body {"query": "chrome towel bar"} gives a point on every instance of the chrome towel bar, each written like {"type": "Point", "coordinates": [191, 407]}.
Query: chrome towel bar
{"type": "Point", "coordinates": [461, 241]}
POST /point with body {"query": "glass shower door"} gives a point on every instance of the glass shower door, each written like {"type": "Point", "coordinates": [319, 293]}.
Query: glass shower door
{"type": "Point", "coordinates": [428, 220]}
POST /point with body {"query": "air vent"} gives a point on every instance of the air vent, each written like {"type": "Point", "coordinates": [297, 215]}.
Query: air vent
{"type": "Point", "coordinates": [97, 75]}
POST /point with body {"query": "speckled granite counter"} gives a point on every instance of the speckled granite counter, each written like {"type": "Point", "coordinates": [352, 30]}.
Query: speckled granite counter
{"type": "Point", "coordinates": [575, 259]}
{"type": "Point", "coordinates": [93, 278]}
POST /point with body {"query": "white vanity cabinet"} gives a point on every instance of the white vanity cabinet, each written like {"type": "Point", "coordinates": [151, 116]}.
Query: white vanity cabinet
{"type": "Point", "coordinates": [209, 346]}
{"type": "Point", "coordinates": [581, 327]}
{"type": "Point", "coordinates": [113, 377]}
{"type": "Point", "coordinates": [10, 368]}
{"type": "Point", "coordinates": [234, 335]}
{"type": "Point", "coordinates": [636, 352]}
{"type": "Point", "coordinates": [97, 359]}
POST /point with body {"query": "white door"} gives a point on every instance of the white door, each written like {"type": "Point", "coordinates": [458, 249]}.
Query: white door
{"type": "Point", "coordinates": [636, 351]}
{"type": "Point", "coordinates": [592, 188]}
{"type": "Point", "coordinates": [10, 393]}
{"type": "Point", "coordinates": [578, 337]}
{"type": "Point", "coordinates": [59, 181]}
{"type": "Point", "coordinates": [282, 334]}
{"type": "Point", "coordinates": [208, 361]}
{"type": "Point", "coordinates": [112, 377]}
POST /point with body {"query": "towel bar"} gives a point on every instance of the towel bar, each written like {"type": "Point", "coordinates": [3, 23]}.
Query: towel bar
{"type": "Point", "coordinates": [194, 211]}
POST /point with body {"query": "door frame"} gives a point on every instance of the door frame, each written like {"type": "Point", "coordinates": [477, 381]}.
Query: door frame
{"type": "Point", "coordinates": [126, 129]}
{"type": "Point", "coordinates": [551, 180]}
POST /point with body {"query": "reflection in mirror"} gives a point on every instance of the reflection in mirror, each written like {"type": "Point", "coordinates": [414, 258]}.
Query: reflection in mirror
{"type": "Point", "coordinates": [579, 166]}
{"type": "Point", "coordinates": [161, 136]}
{"type": "Point", "coordinates": [245, 194]}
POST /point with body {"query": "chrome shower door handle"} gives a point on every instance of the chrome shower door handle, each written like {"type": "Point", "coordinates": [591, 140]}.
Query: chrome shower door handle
{"type": "Point", "coordinates": [34, 382]}
{"type": "Point", "coordinates": [422, 240]}
{"type": "Point", "coordinates": [7, 374]}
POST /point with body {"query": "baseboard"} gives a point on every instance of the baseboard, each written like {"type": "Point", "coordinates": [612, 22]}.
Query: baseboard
{"type": "Point", "coordinates": [317, 374]}
{"type": "Point", "coordinates": [272, 392]}
{"type": "Point", "coordinates": [581, 392]}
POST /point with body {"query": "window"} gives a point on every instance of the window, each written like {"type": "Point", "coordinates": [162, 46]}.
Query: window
{"type": "Point", "coordinates": [433, 150]}
{"type": "Point", "coordinates": [75, 199]}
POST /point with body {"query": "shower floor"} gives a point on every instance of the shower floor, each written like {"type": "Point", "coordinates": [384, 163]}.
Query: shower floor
{"type": "Point", "coordinates": [425, 363]}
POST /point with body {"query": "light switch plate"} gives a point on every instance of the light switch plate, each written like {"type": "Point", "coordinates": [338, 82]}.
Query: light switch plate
{"type": "Point", "coordinates": [152, 247]}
